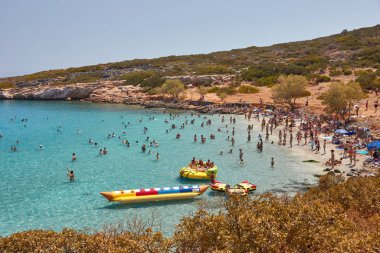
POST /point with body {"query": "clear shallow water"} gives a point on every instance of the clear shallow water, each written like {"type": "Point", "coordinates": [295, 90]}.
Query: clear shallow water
{"type": "Point", "coordinates": [35, 192]}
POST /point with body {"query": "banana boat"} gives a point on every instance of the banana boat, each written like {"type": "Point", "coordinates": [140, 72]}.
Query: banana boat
{"type": "Point", "coordinates": [155, 194]}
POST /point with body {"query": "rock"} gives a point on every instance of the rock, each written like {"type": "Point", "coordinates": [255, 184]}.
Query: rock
{"type": "Point", "coordinates": [4, 94]}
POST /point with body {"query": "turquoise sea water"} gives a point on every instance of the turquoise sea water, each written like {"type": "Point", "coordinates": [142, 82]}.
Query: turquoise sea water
{"type": "Point", "coordinates": [35, 192]}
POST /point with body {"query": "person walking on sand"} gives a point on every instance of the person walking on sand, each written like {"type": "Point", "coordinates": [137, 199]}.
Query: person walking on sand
{"type": "Point", "coordinates": [332, 159]}
{"type": "Point", "coordinates": [324, 146]}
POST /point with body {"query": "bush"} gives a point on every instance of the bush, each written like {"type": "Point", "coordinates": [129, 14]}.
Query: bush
{"type": "Point", "coordinates": [322, 78]}
{"type": "Point", "coordinates": [336, 72]}
{"type": "Point", "coordinates": [368, 80]}
{"type": "Point", "coordinates": [213, 89]}
{"type": "Point", "coordinates": [245, 89]}
{"type": "Point", "coordinates": [268, 81]}
{"type": "Point", "coordinates": [347, 72]}
{"type": "Point", "coordinates": [213, 69]}
{"type": "Point", "coordinates": [6, 85]}
{"type": "Point", "coordinates": [228, 90]}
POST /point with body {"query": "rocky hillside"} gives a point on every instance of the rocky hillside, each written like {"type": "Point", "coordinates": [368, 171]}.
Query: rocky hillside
{"type": "Point", "coordinates": [340, 52]}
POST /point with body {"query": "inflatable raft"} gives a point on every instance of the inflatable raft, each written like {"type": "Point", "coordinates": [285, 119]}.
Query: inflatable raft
{"type": "Point", "coordinates": [188, 172]}
{"type": "Point", "coordinates": [245, 185]}
{"type": "Point", "coordinates": [155, 194]}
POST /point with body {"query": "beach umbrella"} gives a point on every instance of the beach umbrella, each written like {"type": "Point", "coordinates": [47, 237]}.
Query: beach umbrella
{"type": "Point", "coordinates": [374, 144]}
{"type": "Point", "coordinates": [341, 131]}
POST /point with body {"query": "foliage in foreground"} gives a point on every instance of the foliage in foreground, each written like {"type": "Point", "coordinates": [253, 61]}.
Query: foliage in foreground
{"type": "Point", "coordinates": [336, 216]}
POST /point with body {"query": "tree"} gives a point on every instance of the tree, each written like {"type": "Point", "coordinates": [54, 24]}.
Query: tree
{"type": "Point", "coordinates": [222, 95]}
{"type": "Point", "coordinates": [173, 87]}
{"type": "Point", "coordinates": [202, 91]}
{"type": "Point", "coordinates": [289, 88]}
{"type": "Point", "coordinates": [339, 98]}
{"type": "Point", "coordinates": [367, 80]}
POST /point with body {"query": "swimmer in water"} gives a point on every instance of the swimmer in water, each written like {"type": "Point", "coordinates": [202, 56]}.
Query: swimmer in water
{"type": "Point", "coordinates": [221, 152]}
{"type": "Point", "coordinates": [70, 175]}
{"type": "Point", "coordinates": [74, 157]}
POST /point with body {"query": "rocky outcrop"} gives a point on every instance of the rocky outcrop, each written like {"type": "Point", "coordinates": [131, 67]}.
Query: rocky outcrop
{"type": "Point", "coordinates": [75, 91]}
{"type": "Point", "coordinates": [101, 90]}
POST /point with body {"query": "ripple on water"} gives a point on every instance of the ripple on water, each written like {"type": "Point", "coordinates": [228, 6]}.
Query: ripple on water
{"type": "Point", "coordinates": [35, 191]}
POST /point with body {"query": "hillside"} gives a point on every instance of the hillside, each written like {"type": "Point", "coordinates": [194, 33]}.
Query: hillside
{"type": "Point", "coordinates": [338, 53]}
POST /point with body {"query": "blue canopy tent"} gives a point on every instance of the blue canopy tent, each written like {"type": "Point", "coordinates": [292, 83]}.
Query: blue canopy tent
{"type": "Point", "coordinates": [374, 145]}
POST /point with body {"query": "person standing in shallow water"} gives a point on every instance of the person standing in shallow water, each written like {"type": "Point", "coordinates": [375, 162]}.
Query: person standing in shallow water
{"type": "Point", "coordinates": [241, 155]}
{"type": "Point", "coordinates": [70, 175]}
{"type": "Point", "coordinates": [74, 157]}
{"type": "Point", "coordinates": [272, 162]}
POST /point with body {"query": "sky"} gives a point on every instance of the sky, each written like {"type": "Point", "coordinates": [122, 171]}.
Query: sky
{"type": "Point", "coordinates": [38, 35]}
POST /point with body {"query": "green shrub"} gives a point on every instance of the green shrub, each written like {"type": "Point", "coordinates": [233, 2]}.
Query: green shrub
{"type": "Point", "coordinates": [268, 81]}
{"type": "Point", "coordinates": [336, 72]}
{"type": "Point", "coordinates": [228, 90]}
{"type": "Point", "coordinates": [245, 89]}
{"type": "Point", "coordinates": [347, 72]}
{"type": "Point", "coordinates": [213, 89]}
{"type": "Point", "coordinates": [6, 85]}
{"type": "Point", "coordinates": [213, 69]}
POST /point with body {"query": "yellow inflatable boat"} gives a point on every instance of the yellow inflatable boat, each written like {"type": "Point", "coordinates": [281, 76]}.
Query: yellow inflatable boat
{"type": "Point", "coordinates": [155, 194]}
{"type": "Point", "coordinates": [188, 172]}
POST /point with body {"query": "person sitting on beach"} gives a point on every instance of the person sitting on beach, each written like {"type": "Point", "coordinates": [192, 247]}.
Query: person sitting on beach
{"type": "Point", "coordinates": [70, 175]}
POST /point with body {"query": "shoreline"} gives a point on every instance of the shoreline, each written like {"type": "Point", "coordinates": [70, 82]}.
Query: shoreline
{"type": "Point", "coordinates": [345, 169]}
